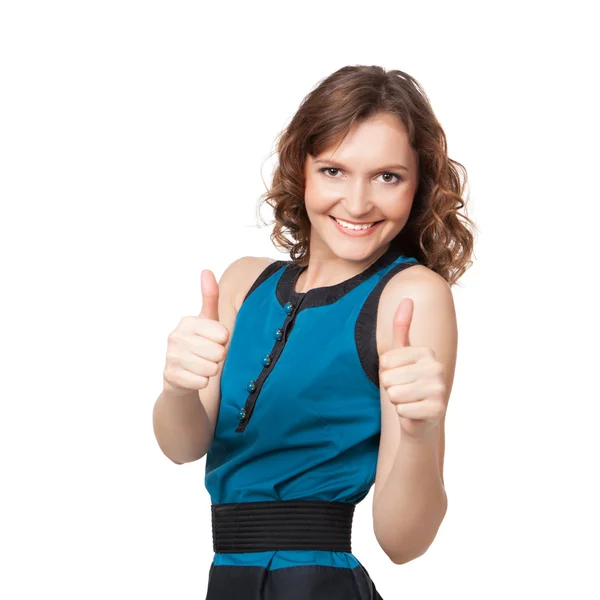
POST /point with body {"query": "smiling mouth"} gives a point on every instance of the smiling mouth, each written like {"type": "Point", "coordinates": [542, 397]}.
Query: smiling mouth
{"type": "Point", "coordinates": [374, 222]}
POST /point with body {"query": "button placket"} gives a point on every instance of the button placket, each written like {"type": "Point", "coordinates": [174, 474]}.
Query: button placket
{"type": "Point", "coordinates": [268, 362]}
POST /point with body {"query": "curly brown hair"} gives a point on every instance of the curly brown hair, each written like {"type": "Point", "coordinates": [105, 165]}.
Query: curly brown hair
{"type": "Point", "coordinates": [436, 234]}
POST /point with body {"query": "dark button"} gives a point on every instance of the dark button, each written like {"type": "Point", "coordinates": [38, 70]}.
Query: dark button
{"type": "Point", "coordinates": [278, 334]}
{"type": "Point", "coordinates": [251, 386]}
{"type": "Point", "coordinates": [242, 414]}
{"type": "Point", "coordinates": [266, 360]}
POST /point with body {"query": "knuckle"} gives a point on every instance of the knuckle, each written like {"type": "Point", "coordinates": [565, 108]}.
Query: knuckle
{"type": "Point", "coordinates": [394, 392]}
{"type": "Point", "coordinates": [175, 337]}
{"type": "Point", "coordinates": [224, 334]}
{"type": "Point", "coordinates": [439, 389]}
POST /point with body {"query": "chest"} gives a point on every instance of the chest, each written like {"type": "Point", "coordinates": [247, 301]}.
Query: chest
{"type": "Point", "coordinates": [279, 366]}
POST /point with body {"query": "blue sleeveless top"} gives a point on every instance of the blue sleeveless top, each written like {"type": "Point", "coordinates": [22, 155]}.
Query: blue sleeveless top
{"type": "Point", "coordinates": [300, 407]}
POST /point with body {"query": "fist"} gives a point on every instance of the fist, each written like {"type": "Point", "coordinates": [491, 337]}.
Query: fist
{"type": "Point", "coordinates": [412, 378]}
{"type": "Point", "coordinates": [197, 345]}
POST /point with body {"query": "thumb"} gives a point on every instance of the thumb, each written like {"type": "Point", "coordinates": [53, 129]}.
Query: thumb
{"type": "Point", "coordinates": [401, 324]}
{"type": "Point", "coordinates": [210, 295]}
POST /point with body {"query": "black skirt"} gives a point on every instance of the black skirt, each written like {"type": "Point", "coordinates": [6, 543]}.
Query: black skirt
{"type": "Point", "coordinates": [310, 582]}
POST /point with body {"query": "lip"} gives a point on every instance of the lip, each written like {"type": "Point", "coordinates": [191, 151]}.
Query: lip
{"type": "Point", "coordinates": [355, 232]}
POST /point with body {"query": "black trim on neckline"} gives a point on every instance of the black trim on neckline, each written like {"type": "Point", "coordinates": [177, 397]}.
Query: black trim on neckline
{"type": "Point", "coordinates": [321, 296]}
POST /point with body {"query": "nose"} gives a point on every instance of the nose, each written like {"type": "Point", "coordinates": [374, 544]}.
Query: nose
{"type": "Point", "coordinates": [357, 201]}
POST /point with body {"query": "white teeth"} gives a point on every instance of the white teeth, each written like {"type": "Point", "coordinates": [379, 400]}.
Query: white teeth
{"type": "Point", "coordinates": [352, 226]}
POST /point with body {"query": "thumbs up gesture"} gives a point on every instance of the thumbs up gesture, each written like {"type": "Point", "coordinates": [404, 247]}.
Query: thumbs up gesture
{"type": "Point", "coordinates": [412, 378]}
{"type": "Point", "coordinates": [197, 346]}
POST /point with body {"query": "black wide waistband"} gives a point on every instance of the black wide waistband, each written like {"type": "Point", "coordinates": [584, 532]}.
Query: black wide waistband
{"type": "Point", "coordinates": [282, 525]}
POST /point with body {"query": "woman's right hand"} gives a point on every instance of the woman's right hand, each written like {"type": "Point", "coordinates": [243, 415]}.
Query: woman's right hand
{"type": "Point", "coordinates": [197, 345]}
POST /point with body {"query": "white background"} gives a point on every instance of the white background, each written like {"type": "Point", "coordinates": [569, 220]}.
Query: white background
{"type": "Point", "coordinates": [134, 139]}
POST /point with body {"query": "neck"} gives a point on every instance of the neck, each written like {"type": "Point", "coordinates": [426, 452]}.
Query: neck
{"type": "Point", "coordinates": [324, 273]}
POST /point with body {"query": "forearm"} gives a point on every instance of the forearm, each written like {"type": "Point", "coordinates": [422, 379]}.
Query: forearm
{"type": "Point", "coordinates": [409, 509]}
{"type": "Point", "coordinates": [181, 426]}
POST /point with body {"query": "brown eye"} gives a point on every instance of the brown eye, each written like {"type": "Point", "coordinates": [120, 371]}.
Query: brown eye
{"type": "Point", "coordinates": [398, 178]}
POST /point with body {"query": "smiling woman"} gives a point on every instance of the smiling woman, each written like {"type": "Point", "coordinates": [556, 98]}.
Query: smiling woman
{"type": "Point", "coordinates": [304, 427]}
{"type": "Point", "coordinates": [365, 145]}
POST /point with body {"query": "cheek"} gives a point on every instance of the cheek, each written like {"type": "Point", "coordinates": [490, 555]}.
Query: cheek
{"type": "Point", "coordinates": [311, 184]}
{"type": "Point", "coordinates": [315, 198]}
{"type": "Point", "coordinates": [400, 206]}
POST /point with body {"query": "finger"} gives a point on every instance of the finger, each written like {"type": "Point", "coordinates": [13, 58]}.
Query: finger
{"type": "Point", "coordinates": [210, 295]}
{"type": "Point", "coordinates": [199, 366]}
{"type": "Point", "coordinates": [398, 357]}
{"type": "Point", "coordinates": [406, 393]}
{"type": "Point", "coordinates": [427, 410]}
{"type": "Point", "coordinates": [207, 347]}
{"type": "Point", "coordinates": [414, 411]}
{"type": "Point", "coordinates": [398, 376]}
{"type": "Point", "coordinates": [401, 324]}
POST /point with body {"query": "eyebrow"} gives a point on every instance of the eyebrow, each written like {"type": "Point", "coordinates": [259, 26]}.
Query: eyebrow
{"type": "Point", "coordinates": [341, 166]}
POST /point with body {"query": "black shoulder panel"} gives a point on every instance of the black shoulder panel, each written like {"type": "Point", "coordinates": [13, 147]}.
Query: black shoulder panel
{"type": "Point", "coordinates": [266, 273]}
{"type": "Point", "coordinates": [365, 330]}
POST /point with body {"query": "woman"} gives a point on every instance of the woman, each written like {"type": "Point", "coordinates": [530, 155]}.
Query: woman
{"type": "Point", "coordinates": [323, 375]}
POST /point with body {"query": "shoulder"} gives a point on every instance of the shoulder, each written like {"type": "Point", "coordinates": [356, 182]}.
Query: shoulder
{"type": "Point", "coordinates": [242, 273]}
{"type": "Point", "coordinates": [416, 277]}
{"type": "Point", "coordinates": [432, 299]}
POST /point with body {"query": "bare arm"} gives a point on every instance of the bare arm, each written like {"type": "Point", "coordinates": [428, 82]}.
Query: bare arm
{"type": "Point", "coordinates": [181, 426]}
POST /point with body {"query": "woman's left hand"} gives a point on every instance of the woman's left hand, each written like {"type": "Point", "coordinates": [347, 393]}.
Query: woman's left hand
{"type": "Point", "coordinates": [413, 379]}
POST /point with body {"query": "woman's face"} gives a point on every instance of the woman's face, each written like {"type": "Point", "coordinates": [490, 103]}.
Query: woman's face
{"type": "Point", "coordinates": [363, 181]}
